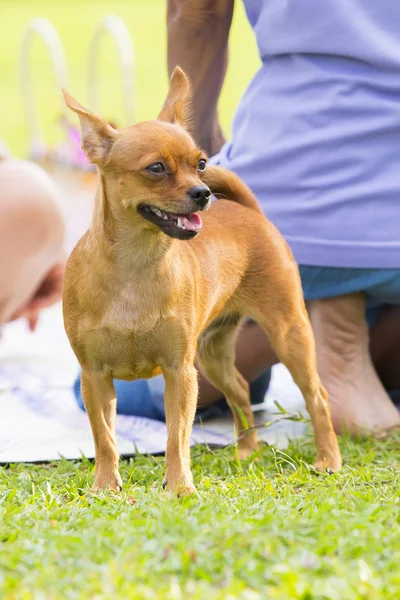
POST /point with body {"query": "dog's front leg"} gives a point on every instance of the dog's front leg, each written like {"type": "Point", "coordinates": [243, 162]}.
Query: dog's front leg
{"type": "Point", "coordinates": [180, 406]}
{"type": "Point", "coordinates": [100, 402]}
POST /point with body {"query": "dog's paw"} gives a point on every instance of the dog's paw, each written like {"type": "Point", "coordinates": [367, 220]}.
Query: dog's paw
{"type": "Point", "coordinates": [331, 465]}
{"type": "Point", "coordinates": [110, 481]}
{"type": "Point", "coordinates": [181, 486]}
{"type": "Point", "coordinates": [247, 447]}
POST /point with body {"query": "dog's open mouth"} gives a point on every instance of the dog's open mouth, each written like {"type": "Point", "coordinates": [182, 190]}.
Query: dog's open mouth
{"type": "Point", "coordinates": [175, 225]}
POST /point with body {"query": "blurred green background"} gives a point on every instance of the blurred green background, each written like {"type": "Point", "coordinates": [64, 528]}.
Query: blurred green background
{"type": "Point", "coordinates": [75, 21]}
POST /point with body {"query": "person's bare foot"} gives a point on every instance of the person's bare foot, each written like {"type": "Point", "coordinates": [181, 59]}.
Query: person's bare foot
{"type": "Point", "coordinates": [359, 403]}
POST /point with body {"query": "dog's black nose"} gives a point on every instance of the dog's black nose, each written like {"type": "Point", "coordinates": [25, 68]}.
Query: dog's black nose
{"type": "Point", "coordinates": [200, 194]}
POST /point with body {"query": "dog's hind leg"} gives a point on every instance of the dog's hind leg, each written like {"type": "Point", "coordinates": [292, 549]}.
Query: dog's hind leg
{"type": "Point", "coordinates": [289, 329]}
{"type": "Point", "coordinates": [100, 402]}
{"type": "Point", "coordinates": [216, 357]}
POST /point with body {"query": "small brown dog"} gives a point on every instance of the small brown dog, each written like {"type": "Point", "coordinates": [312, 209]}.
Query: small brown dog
{"type": "Point", "coordinates": [148, 288]}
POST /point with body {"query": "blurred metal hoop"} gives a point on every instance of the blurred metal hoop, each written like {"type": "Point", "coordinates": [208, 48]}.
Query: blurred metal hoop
{"type": "Point", "coordinates": [47, 32]}
{"type": "Point", "coordinates": [119, 31]}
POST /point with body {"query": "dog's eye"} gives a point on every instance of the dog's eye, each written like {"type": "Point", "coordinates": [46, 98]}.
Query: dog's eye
{"type": "Point", "coordinates": [202, 165]}
{"type": "Point", "coordinates": [156, 168]}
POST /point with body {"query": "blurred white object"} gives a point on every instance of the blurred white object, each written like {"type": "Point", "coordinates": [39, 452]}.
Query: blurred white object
{"type": "Point", "coordinates": [68, 152]}
{"type": "Point", "coordinates": [43, 29]}
{"type": "Point", "coordinates": [116, 27]}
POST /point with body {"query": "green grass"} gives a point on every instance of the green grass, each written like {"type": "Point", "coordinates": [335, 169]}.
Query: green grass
{"type": "Point", "coordinates": [267, 530]}
{"type": "Point", "coordinates": [75, 21]}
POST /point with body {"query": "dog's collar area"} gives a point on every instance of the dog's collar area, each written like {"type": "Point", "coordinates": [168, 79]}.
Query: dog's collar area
{"type": "Point", "coordinates": [181, 226]}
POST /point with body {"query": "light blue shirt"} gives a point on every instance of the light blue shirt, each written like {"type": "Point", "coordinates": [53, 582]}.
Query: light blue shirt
{"type": "Point", "coordinates": [317, 133]}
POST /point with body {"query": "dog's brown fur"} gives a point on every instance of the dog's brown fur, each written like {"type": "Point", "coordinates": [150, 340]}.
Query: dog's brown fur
{"type": "Point", "coordinates": [138, 303]}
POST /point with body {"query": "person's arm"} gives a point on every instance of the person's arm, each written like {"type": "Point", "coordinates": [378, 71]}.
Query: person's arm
{"type": "Point", "coordinates": [198, 32]}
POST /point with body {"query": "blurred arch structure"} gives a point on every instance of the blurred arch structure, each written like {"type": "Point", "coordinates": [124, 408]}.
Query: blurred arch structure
{"type": "Point", "coordinates": [68, 152]}
{"type": "Point", "coordinates": [114, 26]}
{"type": "Point", "coordinates": [46, 31]}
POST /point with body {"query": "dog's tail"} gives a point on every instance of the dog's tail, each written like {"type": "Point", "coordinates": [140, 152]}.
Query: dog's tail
{"type": "Point", "coordinates": [225, 184]}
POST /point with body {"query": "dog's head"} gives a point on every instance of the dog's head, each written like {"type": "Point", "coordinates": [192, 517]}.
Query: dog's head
{"type": "Point", "coordinates": [154, 167]}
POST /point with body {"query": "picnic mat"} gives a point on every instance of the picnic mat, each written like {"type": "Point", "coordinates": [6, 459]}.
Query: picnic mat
{"type": "Point", "coordinates": [40, 420]}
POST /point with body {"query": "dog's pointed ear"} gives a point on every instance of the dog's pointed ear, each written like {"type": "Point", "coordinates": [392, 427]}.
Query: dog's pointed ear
{"type": "Point", "coordinates": [176, 108]}
{"type": "Point", "coordinates": [97, 135]}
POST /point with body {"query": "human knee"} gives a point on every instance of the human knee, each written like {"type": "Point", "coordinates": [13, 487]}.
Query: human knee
{"type": "Point", "coordinates": [31, 217]}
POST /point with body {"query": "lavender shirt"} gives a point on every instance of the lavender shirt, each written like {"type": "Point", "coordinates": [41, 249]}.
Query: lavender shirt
{"type": "Point", "coordinates": [317, 133]}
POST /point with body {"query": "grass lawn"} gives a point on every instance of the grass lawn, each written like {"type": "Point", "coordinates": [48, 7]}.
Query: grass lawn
{"type": "Point", "coordinates": [266, 530]}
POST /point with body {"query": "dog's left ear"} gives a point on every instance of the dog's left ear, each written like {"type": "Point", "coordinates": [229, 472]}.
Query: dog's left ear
{"type": "Point", "coordinates": [176, 108]}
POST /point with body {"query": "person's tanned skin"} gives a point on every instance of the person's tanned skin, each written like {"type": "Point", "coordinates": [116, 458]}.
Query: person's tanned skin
{"type": "Point", "coordinates": [198, 33]}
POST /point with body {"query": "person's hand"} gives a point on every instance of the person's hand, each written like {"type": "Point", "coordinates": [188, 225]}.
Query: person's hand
{"type": "Point", "coordinates": [215, 139]}
{"type": "Point", "coordinates": [48, 293]}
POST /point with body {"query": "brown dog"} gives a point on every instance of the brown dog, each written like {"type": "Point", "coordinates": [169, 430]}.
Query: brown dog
{"type": "Point", "coordinates": [148, 289]}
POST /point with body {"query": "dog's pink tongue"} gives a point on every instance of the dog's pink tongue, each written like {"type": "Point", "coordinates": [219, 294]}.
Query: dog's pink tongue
{"type": "Point", "coordinates": [192, 222]}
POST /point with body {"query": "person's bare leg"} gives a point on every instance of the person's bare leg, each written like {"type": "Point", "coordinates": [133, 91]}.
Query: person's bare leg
{"type": "Point", "coordinates": [385, 347]}
{"type": "Point", "coordinates": [254, 355]}
{"type": "Point", "coordinates": [31, 232]}
{"type": "Point", "coordinates": [358, 400]}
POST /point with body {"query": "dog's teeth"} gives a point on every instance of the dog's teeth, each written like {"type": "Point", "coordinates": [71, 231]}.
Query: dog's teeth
{"type": "Point", "coordinates": [180, 224]}
{"type": "Point", "coordinates": [164, 217]}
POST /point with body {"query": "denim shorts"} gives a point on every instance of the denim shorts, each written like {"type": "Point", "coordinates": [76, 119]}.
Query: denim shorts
{"type": "Point", "coordinates": [380, 286]}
